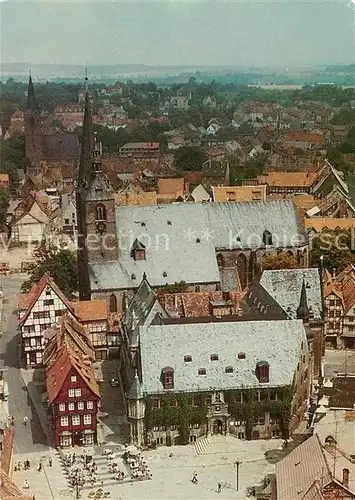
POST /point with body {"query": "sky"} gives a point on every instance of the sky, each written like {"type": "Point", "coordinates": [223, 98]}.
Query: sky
{"type": "Point", "coordinates": [266, 33]}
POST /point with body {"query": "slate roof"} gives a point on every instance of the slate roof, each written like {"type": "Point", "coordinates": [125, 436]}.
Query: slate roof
{"type": "Point", "coordinates": [277, 342]}
{"type": "Point", "coordinates": [213, 169]}
{"type": "Point", "coordinates": [284, 286]}
{"type": "Point", "coordinates": [178, 237]}
{"type": "Point", "coordinates": [296, 473]}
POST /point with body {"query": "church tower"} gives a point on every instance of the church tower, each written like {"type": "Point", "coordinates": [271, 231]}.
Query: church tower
{"type": "Point", "coordinates": [33, 130]}
{"type": "Point", "coordinates": [95, 202]}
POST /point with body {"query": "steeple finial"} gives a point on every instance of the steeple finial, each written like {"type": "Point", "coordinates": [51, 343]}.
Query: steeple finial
{"type": "Point", "coordinates": [302, 309]}
{"type": "Point", "coordinates": [84, 177]}
{"type": "Point", "coordinates": [32, 105]}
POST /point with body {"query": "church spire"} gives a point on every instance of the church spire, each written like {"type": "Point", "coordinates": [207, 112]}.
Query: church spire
{"type": "Point", "coordinates": [84, 177]}
{"type": "Point", "coordinates": [303, 309]}
{"type": "Point", "coordinates": [32, 105]}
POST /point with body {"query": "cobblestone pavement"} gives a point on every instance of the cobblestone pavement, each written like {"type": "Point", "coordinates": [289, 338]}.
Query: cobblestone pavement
{"type": "Point", "coordinates": [171, 476]}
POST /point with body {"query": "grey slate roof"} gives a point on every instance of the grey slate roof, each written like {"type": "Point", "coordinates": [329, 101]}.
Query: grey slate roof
{"type": "Point", "coordinates": [285, 285]}
{"type": "Point", "coordinates": [170, 234]}
{"type": "Point", "coordinates": [277, 342]}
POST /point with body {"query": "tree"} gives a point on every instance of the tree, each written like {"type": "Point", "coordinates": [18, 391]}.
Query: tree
{"type": "Point", "coordinates": [4, 204]}
{"type": "Point", "coordinates": [189, 158]}
{"type": "Point", "coordinates": [335, 247]}
{"type": "Point", "coordinates": [61, 265]}
{"type": "Point", "coordinates": [177, 287]}
{"type": "Point", "coordinates": [256, 165]}
{"type": "Point", "coordinates": [282, 260]}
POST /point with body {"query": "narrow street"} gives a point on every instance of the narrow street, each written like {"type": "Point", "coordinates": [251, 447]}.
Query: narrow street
{"type": "Point", "coordinates": [28, 438]}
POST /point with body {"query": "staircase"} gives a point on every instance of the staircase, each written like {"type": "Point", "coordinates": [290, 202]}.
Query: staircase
{"type": "Point", "coordinates": [201, 444]}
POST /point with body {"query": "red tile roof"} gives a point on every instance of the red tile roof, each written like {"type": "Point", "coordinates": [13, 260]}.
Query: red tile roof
{"type": "Point", "coordinates": [194, 304]}
{"type": "Point", "coordinates": [348, 294]}
{"type": "Point", "coordinates": [69, 349]}
{"type": "Point", "coordinates": [90, 310]}
{"type": "Point", "coordinates": [28, 300]}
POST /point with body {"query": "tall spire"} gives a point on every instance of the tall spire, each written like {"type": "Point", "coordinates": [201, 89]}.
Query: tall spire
{"type": "Point", "coordinates": [32, 105]}
{"type": "Point", "coordinates": [84, 177]}
{"type": "Point", "coordinates": [302, 309]}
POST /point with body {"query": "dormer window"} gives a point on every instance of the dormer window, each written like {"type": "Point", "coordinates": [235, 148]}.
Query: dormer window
{"type": "Point", "coordinates": [241, 355]}
{"type": "Point", "coordinates": [187, 359]}
{"type": "Point", "coordinates": [262, 371]}
{"type": "Point", "coordinates": [138, 250]}
{"type": "Point", "coordinates": [214, 357]}
{"type": "Point", "coordinates": [267, 238]}
{"type": "Point", "coordinates": [202, 371]}
{"type": "Point", "coordinates": [229, 369]}
{"type": "Point", "coordinates": [167, 377]}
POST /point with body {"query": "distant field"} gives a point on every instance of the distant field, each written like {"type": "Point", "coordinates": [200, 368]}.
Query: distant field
{"type": "Point", "coordinates": [291, 87]}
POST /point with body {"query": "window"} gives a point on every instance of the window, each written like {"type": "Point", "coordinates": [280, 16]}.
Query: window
{"type": "Point", "coordinates": [71, 393]}
{"type": "Point", "coordinates": [64, 421]}
{"type": "Point", "coordinates": [87, 419]}
{"type": "Point", "coordinates": [273, 396]}
{"type": "Point", "coordinates": [262, 371]}
{"type": "Point", "coordinates": [48, 292]}
{"type": "Point", "coordinates": [156, 403]}
{"type": "Point", "coordinates": [138, 250]}
{"type": "Point", "coordinates": [41, 314]}
{"type": "Point", "coordinates": [77, 393]}
{"type": "Point", "coordinates": [66, 222]}
{"type": "Point", "coordinates": [208, 401]}
{"type": "Point", "coordinates": [241, 355]}
{"type": "Point", "coordinates": [48, 302]}
{"type": "Point", "coordinates": [100, 212]}
{"type": "Point", "coordinates": [229, 369]}
{"type": "Point", "coordinates": [60, 312]}
{"type": "Point", "coordinates": [28, 329]}
{"type": "Point", "coordinates": [214, 357]}
{"type": "Point", "coordinates": [113, 303]}
{"type": "Point", "coordinates": [73, 378]}
{"type": "Point", "coordinates": [202, 371]}
{"type": "Point", "coordinates": [90, 405]}
{"type": "Point", "coordinates": [71, 406]}
{"type": "Point", "coordinates": [75, 420]}
{"type": "Point", "coordinates": [187, 359]}
{"type": "Point", "coordinates": [167, 377]}
{"type": "Point", "coordinates": [193, 401]}
{"type": "Point", "coordinates": [80, 405]}
{"type": "Point", "coordinates": [61, 407]}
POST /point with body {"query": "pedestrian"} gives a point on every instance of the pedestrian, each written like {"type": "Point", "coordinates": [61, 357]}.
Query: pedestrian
{"type": "Point", "coordinates": [219, 487]}
{"type": "Point", "coordinates": [25, 484]}
{"type": "Point", "coordinates": [50, 462]}
{"type": "Point", "coordinates": [39, 466]}
{"type": "Point", "coordinates": [25, 420]}
{"type": "Point", "coordinates": [18, 465]}
{"type": "Point", "coordinates": [194, 478]}
{"type": "Point", "coordinates": [12, 420]}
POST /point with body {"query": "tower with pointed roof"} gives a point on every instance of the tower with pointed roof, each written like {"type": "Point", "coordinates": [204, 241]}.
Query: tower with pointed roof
{"type": "Point", "coordinates": [33, 128]}
{"type": "Point", "coordinates": [95, 202]}
{"type": "Point", "coordinates": [303, 309]}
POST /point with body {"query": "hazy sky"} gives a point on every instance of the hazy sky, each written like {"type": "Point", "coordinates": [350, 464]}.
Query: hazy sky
{"type": "Point", "coordinates": [284, 33]}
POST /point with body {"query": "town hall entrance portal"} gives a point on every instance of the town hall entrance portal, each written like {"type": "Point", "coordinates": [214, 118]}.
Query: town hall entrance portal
{"type": "Point", "coordinates": [218, 427]}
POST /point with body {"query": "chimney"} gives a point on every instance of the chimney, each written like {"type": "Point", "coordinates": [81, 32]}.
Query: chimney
{"type": "Point", "coordinates": [346, 474]}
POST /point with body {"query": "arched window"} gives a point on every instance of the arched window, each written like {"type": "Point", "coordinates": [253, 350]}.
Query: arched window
{"type": "Point", "coordinates": [113, 303]}
{"type": "Point", "coordinates": [242, 270]}
{"type": "Point", "coordinates": [100, 212]}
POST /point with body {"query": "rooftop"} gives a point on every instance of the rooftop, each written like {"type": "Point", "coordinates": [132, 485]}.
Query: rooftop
{"type": "Point", "coordinates": [178, 237]}
{"type": "Point", "coordinates": [288, 179]}
{"type": "Point", "coordinates": [284, 286]}
{"type": "Point", "coordinates": [277, 342]}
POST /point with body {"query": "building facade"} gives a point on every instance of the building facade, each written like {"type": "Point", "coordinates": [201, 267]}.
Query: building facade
{"type": "Point", "coordinates": [73, 393]}
{"type": "Point", "coordinates": [200, 385]}
{"type": "Point", "coordinates": [39, 310]}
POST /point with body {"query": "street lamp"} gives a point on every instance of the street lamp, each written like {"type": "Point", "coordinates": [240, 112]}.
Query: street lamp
{"type": "Point", "coordinates": [78, 482]}
{"type": "Point", "coordinates": [237, 464]}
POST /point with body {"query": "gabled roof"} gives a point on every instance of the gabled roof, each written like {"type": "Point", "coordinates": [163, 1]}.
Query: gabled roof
{"type": "Point", "coordinates": [331, 288]}
{"type": "Point", "coordinates": [288, 179]}
{"type": "Point", "coordinates": [28, 300]}
{"type": "Point", "coordinates": [295, 473]}
{"type": "Point", "coordinates": [348, 290]}
{"type": "Point", "coordinates": [69, 349]}
{"type": "Point", "coordinates": [320, 223]}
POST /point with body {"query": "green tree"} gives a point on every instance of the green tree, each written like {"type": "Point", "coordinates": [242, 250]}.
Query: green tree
{"type": "Point", "coordinates": [282, 260]}
{"type": "Point", "coordinates": [256, 165]}
{"type": "Point", "coordinates": [335, 247]}
{"type": "Point", "coordinates": [4, 204]}
{"type": "Point", "coordinates": [61, 265]}
{"type": "Point", "coordinates": [177, 287]}
{"type": "Point", "coordinates": [189, 158]}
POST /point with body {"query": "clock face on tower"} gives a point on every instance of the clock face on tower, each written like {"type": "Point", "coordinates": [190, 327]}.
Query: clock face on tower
{"type": "Point", "coordinates": [101, 227]}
